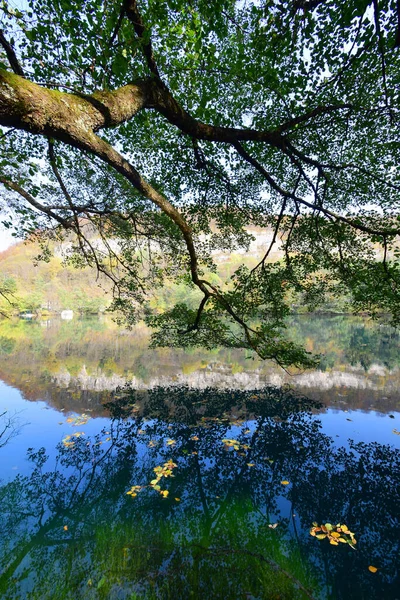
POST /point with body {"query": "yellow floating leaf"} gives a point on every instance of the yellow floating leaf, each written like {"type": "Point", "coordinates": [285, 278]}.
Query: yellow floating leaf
{"type": "Point", "coordinates": [251, 464]}
{"type": "Point", "coordinates": [321, 536]}
{"type": "Point", "coordinates": [194, 438]}
{"type": "Point", "coordinates": [342, 540]}
{"type": "Point", "coordinates": [274, 526]}
{"type": "Point", "coordinates": [178, 499]}
{"type": "Point", "coordinates": [171, 442]}
{"type": "Point", "coordinates": [285, 482]}
{"type": "Point", "coordinates": [164, 493]}
{"type": "Point", "coordinates": [170, 464]}
{"type": "Point", "coordinates": [335, 534]}
{"type": "Point", "coordinates": [372, 569]}
{"type": "Point", "coordinates": [133, 491]}
{"type": "Point", "coordinates": [65, 527]}
{"type": "Point", "coordinates": [333, 542]}
{"type": "Point", "coordinates": [328, 526]}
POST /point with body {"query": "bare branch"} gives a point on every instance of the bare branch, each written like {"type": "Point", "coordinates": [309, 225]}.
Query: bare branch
{"type": "Point", "coordinates": [132, 12]}
{"type": "Point", "coordinates": [353, 223]}
{"type": "Point", "coordinates": [12, 57]}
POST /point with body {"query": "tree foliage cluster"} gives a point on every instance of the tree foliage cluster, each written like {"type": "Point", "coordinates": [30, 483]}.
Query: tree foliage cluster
{"type": "Point", "coordinates": [150, 120]}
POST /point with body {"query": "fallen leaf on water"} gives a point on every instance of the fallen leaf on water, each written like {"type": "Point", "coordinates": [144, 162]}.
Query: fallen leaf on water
{"type": "Point", "coordinates": [396, 432]}
{"type": "Point", "coordinates": [372, 569]}
{"type": "Point", "coordinates": [285, 482]}
{"type": "Point", "coordinates": [65, 528]}
{"type": "Point", "coordinates": [274, 526]}
{"type": "Point", "coordinates": [171, 442]}
{"type": "Point", "coordinates": [79, 420]}
{"type": "Point", "coordinates": [334, 533]}
{"type": "Point", "coordinates": [194, 438]}
{"type": "Point", "coordinates": [178, 499]}
{"type": "Point", "coordinates": [251, 464]}
{"type": "Point", "coordinates": [134, 490]}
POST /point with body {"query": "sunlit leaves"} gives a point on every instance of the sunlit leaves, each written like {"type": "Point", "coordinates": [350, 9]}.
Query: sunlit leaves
{"type": "Point", "coordinates": [372, 569]}
{"type": "Point", "coordinates": [335, 534]}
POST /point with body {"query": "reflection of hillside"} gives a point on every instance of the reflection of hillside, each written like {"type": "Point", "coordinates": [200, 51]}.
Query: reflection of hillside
{"type": "Point", "coordinates": [72, 365]}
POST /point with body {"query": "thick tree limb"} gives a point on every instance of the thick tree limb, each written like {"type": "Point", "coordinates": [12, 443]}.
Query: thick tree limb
{"type": "Point", "coordinates": [36, 109]}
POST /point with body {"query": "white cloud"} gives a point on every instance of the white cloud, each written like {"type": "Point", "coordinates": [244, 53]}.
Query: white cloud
{"type": "Point", "coordinates": [6, 239]}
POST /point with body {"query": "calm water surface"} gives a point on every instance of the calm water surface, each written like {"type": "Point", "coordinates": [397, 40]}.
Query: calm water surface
{"type": "Point", "coordinates": [229, 461]}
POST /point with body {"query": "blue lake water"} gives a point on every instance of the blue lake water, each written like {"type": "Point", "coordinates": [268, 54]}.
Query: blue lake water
{"type": "Point", "coordinates": [225, 483]}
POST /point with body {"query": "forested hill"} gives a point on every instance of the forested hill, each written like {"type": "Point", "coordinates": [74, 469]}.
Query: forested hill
{"type": "Point", "coordinates": [52, 285]}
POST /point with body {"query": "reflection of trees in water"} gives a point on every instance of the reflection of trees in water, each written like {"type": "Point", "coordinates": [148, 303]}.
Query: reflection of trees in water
{"type": "Point", "coordinates": [342, 339]}
{"type": "Point", "coordinates": [10, 426]}
{"type": "Point", "coordinates": [216, 540]}
{"type": "Point", "coordinates": [30, 351]}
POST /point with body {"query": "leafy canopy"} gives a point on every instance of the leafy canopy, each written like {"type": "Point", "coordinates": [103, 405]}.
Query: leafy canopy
{"type": "Point", "coordinates": [153, 133]}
